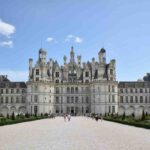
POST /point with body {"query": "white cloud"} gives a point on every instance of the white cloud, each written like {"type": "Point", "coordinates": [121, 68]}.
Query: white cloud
{"type": "Point", "coordinates": [7, 43]}
{"type": "Point", "coordinates": [6, 29]}
{"type": "Point", "coordinates": [51, 39]}
{"type": "Point", "coordinates": [13, 75]}
{"type": "Point", "coordinates": [76, 39]}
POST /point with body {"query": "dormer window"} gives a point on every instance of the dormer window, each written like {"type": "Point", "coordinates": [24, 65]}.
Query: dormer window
{"type": "Point", "coordinates": [86, 74]}
{"type": "Point", "coordinates": [57, 74]}
{"type": "Point", "coordinates": [37, 71]}
{"type": "Point", "coordinates": [111, 71]}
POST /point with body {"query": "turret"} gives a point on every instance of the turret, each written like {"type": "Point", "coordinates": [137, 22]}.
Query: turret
{"type": "Point", "coordinates": [30, 67]}
{"type": "Point", "coordinates": [102, 56]}
{"type": "Point", "coordinates": [65, 60]}
{"type": "Point", "coordinates": [42, 56]}
{"type": "Point", "coordinates": [79, 60]}
{"type": "Point", "coordinates": [72, 55]}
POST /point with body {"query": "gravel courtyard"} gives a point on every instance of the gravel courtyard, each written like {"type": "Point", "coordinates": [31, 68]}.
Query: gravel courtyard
{"type": "Point", "coordinates": [79, 134]}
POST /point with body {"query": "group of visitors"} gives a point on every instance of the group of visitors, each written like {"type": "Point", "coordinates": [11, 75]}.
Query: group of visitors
{"type": "Point", "coordinates": [98, 117]}
{"type": "Point", "coordinates": [67, 117]}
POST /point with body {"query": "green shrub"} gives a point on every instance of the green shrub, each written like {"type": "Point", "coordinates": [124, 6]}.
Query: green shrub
{"type": "Point", "coordinates": [13, 116]}
{"type": "Point", "coordinates": [143, 115]}
{"type": "Point", "coordinates": [123, 116]}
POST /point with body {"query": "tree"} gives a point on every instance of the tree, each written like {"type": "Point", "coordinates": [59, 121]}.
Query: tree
{"type": "Point", "coordinates": [7, 116]}
{"type": "Point", "coordinates": [143, 115]}
{"type": "Point", "coordinates": [123, 116]}
{"type": "Point", "coordinates": [13, 116]}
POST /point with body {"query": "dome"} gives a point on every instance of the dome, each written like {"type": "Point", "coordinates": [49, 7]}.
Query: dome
{"type": "Point", "coordinates": [41, 50]}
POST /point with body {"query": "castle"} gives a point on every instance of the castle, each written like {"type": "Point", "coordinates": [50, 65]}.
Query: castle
{"type": "Point", "coordinates": [77, 88]}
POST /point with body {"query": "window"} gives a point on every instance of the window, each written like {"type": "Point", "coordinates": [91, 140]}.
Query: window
{"type": "Point", "coordinates": [7, 91]}
{"type": "Point", "coordinates": [113, 109]}
{"type": "Point", "coordinates": [76, 99]}
{"type": "Point", "coordinates": [17, 99]}
{"type": "Point", "coordinates": [72, 90]}
{"type": "Point", "coordinates": [121, 90]}
{"type": "Point", "coordinates": [111, 71]}
{"type": "Point", "coordinates": [136, 90]}
{"type": "Point", "coordinates": [37, 71]}
{"type": "Point", "coordinates": [23, 90]}
{"type": "Point", "coordinates": [113, 88]}
{"type": "Point", "coordinates": [86, 74]}
{"type": "Point", "coordinates": [136, 99]}
{"type": "Point", "coordinates": [131, 99]}
{"type": "Point", "coordinates": [126, 90]}
{"type": "Point", "coordinates": [86, 81]}
{"type": "Point", "coordinates": [141, 99]}
{"type": "Point", "coordinates": [57, 81]}
{"type": "Point", "coordinates": [68, 90]}
{"type": "Point", "coordinates": [68, 100]}
{"type": "Point", "coordinates": [2, 100]}
{"type": "Point", "coordinates": [146, 99]}
{"type": "Point", "coordinates": [12, 90]}
{"type": "Point", "coordinates": [57, 90]}
{"type": "Point", "coordinates": [87, 99]}
{"type": "Point", "coordinates": [23, 99]}
{"type": "Point", "coordinates": [113, 98]}
{"type": "Point", "coordinates": [57, 74]}
{"type": "Point", "coordinates": [12, 100]}
{"type": "Point", "coordinates": [108, 88]}
{"type": "Point", "coordinates": [141, 90]}
{"type": "Point", "coordinates": [6, 100]}
{"type": "Point", "coordinates": [126, 99]}
{"type": "Point", "coordinates": [57, 99]}
{"type": "Point", "coordinates": [109, 98]}
{"type": "Point", "coordinates": [35, 98]}
{"type": "Point", "coordinates": [17, 90]}
{"type": "Point", "coordinates": [37, 79]}
{"type": "Point", "coordinates": [72, 99]}
{"type": "Point", "coordinates": [121, 99]}
{"type": "Point", "coordinates": [1, 91]}
{"type": "Point", "coordinates": [131, 90]}
{"type": "Point", "coordinates": [82, 99]}
{"type": "Point", "coordinates": [76, 89]}
{"type": "Point", "coordinates": [35, 109]}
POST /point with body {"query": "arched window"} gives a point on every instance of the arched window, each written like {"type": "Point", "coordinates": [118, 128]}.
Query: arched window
{"type": "Point", "coordinates": [72, 90]}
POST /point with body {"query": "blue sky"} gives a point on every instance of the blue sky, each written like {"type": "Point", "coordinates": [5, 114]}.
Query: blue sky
{"type": "Point", "coordinates": [122, 27]}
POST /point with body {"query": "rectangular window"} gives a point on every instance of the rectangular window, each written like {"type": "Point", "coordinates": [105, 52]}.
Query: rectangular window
{"type": "Point", "coordinates": [113, 109]}
{"type": "Point", "coordinates": [35, 98]}
{"type": "Point", "coordinates": [76, 99]}
{"type": "Point", "coordinates": [37, 79]}
{"type": "Point", "coordinates": [141, 99]}
{"type": "Point", "coordinates": [1, 91]}
{"type": "Point", "coordinates": [126, 99]}
{"type": "Point", "coordinates": [121, 99]}
{"type": "Point", "coordinates": [12, 90]}
{"type": "Point", "coordinates": [57, 74]}
{"type": "Point", "coordinates": [111, 71]}
{"type": "Point", "coordinates": [131, 99]}
{"type": "Point", "coordinates": [113, 98]}
{"type": "Point", "coordinates": [68, 100]}
{"type": "Point", "coordinates": [57, 99]}
{"type": "Point", "coordinates": [141, 90]}
{"type": "Point", "coordinates": [86, 74]}
{"type": "Point", "coordinates": [136, 99]}
{"type": "Point", "coordinates": [37, 71]}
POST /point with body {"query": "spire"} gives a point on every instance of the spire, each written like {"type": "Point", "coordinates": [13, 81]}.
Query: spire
{"type": "Point", "coordinates": [72, 54]}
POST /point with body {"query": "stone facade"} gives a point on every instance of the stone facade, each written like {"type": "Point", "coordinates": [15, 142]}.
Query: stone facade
{"type": "Point", "coordinates": [76, 88]}
{"type": "Point", "coordinates": [12, 96]}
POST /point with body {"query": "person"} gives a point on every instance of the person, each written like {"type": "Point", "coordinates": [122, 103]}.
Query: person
{"type": "Point", "coordinates": [65, 117]}
{"type": "Point", "coordinates": [69, 117]}
{"type": "Point", "coordinates": [96, 117]}
{"type": "Point", "coordinates": [101, 118]}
